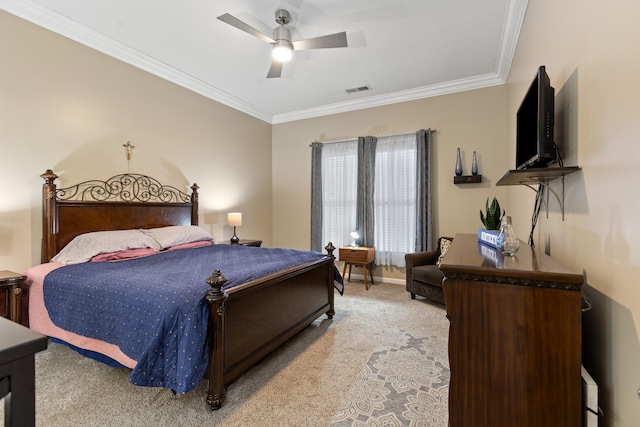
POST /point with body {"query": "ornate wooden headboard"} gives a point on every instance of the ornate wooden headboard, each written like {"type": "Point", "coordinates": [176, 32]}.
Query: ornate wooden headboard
{"type": "Point", "coordinates": [124, 201]}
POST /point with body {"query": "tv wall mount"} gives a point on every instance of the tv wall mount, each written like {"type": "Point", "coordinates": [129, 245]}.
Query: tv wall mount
{"type": "Point", "coordinates": [540, 176]}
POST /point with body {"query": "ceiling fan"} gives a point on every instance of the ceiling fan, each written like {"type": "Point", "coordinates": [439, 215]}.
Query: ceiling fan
{"type": "Point", "coordinates": [283, 47]}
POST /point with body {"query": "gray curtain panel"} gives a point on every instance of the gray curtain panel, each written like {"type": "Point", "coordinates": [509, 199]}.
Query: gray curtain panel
{"type": "Point", "coordinates": [316, 197]}
{"type": "Point", "coordinates": [424, 216]}
{"type": "Point", "coordinates": [365, 217]}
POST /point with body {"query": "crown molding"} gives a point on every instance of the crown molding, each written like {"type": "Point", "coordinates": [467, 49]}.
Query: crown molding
{"type": "Point", "coordinates": [513, 23]}
{"type": "Point", "coordinates": [512, 26]}
{"type": "Point", "coordinates": [59, 24]}
{"type": "Point", "coordinates": [72, 30]}
{"type": "Point", "coordinates": [461, 85]}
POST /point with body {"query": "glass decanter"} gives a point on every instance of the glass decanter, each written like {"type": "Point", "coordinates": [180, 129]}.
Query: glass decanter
{"type": "Point", "coordinates": [507, 240]}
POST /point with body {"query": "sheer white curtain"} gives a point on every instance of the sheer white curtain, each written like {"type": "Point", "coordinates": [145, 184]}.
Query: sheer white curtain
{"type": "Point", "coordinates": [395, 198]}
{"type": "Point", "coordinates": [339, 191]}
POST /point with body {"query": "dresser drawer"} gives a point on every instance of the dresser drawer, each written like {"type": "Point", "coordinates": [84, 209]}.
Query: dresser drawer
{"type": "Point", "coordinates": [361, 255]}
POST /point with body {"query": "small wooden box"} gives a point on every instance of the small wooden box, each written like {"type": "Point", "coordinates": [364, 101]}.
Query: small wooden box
{"type": "Point", "coordinates": [359, 255]}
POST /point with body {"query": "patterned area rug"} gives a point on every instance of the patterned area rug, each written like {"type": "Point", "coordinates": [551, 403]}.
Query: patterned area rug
{"type": "Point", "coordinates": [405, 383]}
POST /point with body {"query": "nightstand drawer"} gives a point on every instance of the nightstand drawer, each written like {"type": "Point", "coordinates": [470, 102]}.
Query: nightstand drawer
{"type": "Point", "coordinates": [361, 255]}
{"type": "Point", "coordinates": [10, 284]}
{"type": "Point", "coordinates": [5, 302]}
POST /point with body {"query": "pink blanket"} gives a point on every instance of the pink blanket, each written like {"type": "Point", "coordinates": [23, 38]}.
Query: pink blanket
{"type": "Point", "coordinates": [40, 321]}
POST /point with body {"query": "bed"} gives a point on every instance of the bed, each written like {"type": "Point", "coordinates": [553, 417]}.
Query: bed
{"type": "Point", "coordinates": [242, 314]}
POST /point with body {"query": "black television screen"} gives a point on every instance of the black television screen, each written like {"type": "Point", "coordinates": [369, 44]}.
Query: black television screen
{"type": "Point", "coordinates": [535, 147]}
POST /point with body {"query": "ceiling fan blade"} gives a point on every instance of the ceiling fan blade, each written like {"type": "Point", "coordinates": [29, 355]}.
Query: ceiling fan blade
{"type": "Point", "coordinates": [235, 22]}
{"type": "Point", "coordinates": [322, 42]}
{"type": "Point", "coordinates": [275, 70]}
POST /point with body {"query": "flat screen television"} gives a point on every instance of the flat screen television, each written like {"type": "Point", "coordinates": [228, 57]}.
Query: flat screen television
{"type": "Point", "coordinates": [535, 147]}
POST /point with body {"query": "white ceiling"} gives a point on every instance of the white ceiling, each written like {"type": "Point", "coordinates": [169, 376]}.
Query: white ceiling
{"type": "Point", "coordinates": [403, 50]}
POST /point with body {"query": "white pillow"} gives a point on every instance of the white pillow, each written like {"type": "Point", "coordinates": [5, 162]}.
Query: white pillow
{"type": "Point", "coordinates": [85, 246]}
{"type": "Point", "coordinates": [174, 235]}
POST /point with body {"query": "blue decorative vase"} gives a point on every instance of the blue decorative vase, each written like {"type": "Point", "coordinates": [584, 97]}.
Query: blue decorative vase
{"type": "Point", "coordinates": [458, 164]}
{"type": "Point", "coordinates": [474, 165]}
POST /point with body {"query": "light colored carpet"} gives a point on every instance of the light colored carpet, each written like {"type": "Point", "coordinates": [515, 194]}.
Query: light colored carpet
{"type": "Point", "coordinates": [309, 382]}
{"type": "Point", "coordinates": [405, 382]}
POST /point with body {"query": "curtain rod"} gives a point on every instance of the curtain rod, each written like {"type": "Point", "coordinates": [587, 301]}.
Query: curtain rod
{"type": "Point", "coordinates": [355, 139]}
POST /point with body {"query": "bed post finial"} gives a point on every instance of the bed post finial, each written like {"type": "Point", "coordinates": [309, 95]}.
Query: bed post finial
{"type": "Point", "coordinates": [49, 215]}
{"type": "Point", "coordinates": [330, 248]}
{"type": "Point", "coordinates": [194, 204]}
{"type": "Point", "coordinates": [216, 299]}
{"type": "Point", "coordinates": [216, 281]}
{"type": "Point", "coordinates": [49, 177]}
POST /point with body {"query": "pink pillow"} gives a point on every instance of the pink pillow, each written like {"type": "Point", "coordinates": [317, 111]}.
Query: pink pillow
{"type": "Point", "coordinates": [189, 245]}
{"type": "Point", "coordinates": [85, 246]}
{"type": "Point", "coordinates": [125, 254]}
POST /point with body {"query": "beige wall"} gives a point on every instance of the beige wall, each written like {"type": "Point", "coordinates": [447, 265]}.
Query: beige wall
{"type": "Point", "coordinates": [592, 53]}
{"type": "Point", "coordinates": [66, 107]}
{"type": "Point", "coordinates": [472, 120]}
{"type": "Point", "coordinates": [69, 108]}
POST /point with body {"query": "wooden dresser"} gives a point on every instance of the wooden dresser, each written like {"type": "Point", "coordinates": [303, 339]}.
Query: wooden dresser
{"type": "Point", "coordinates": [514, 337]}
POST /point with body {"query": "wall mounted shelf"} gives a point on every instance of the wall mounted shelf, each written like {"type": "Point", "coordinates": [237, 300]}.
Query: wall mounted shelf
{"type": "Point", "coordinates": [539, 176]}
{"type": "Point", "coordinates": [467, 179]}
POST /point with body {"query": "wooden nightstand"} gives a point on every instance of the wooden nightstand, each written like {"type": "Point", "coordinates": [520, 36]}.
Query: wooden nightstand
{"type": "Point", "coordinates": [10, 291]}
{"type": "Point", "coordinates": [360, 256]}
{"type": "Point", "coordinates": [249, 242]}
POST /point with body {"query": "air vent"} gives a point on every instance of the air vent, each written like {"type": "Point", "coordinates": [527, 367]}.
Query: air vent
{"type": "Point", "coordinates": [358, 89]}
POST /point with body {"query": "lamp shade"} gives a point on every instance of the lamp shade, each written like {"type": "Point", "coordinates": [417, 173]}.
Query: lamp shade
{"type": "Point", "coordinates": [234, 218]}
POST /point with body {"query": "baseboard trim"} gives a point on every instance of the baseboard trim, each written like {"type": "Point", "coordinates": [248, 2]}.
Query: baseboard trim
{"type": "Point", "coordinates": [377, 279]}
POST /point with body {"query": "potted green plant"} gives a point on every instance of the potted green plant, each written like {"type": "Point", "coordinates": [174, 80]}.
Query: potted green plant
{"type": "Point", "coordinates": [491, 219]}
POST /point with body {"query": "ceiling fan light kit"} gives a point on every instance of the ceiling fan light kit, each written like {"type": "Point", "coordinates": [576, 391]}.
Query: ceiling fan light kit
{"type": "Point", "coordinates": [282, 45]}
{"type": "Point", "coordinates": [282, 52]}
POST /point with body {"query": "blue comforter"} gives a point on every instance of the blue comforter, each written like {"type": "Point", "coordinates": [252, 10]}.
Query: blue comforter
{"type": "Point", "coordinates": [153, 308]}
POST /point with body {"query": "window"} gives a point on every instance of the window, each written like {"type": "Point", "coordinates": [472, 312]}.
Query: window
{"type": "Point", "coordinates": [394, 198]}
{"type": "Point", "coordinates": [339, 195]}
{"type": "Point", "coordinates": [377, 186]}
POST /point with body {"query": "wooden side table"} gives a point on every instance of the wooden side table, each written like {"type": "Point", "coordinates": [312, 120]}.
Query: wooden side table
{"type": "Point", "coordinates": [18, 346]}
{"type": "Point", "coordinates": [244, 242]}
{"type": "Point", "coordinates": [249, 242]}
{"type": "Point", "coordinates": [10, 290]}
{"type": "Point", "coordinates": [360, 256]}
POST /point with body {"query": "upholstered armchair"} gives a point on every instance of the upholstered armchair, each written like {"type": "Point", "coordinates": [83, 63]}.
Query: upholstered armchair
{"type": "Point", "coordinates": [424, 278]}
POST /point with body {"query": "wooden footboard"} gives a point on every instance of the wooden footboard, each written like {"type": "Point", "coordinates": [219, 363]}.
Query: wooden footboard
{"type": "Point", "coordinates": [249, 321]}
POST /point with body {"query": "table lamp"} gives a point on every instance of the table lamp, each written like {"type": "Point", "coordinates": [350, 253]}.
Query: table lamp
{"type": "Point", "coordinates": [354, 236]}
{"type": "Point", "coordinates": [234, 219]}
